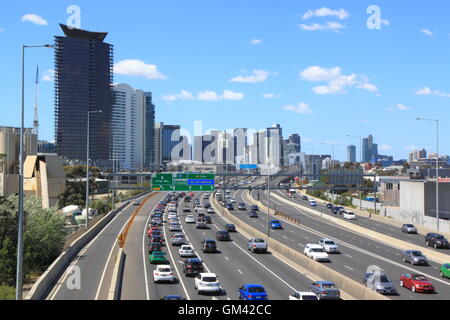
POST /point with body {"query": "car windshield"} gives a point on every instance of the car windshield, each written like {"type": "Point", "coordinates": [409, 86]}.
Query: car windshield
{"type": "Point", "coordinates": [416, 253]}
{"type": "Point", "coordinates": [309, 297]}
{"type": "Point", "coordinates": [209, 279]}
{"type": "Point", "coordinates": [419, 278]}
{"type": "Point", "coordinates": [256, 289]}
{"type": "Point", "coordinates": [328, 286]}
{"type": "Point", "coordinates": [439, 236]}
{"type": "Point", "coordinates": [329, 242]}
{"type": "Point", "coordinates": [210, 243]}
{"type": "Point", "coordinates": [409, 226]}
{"type": "Point", "coordinates": [186, 248]}
{"type": "Point", "coordinates": [164, 270]}
{"type": "Point", "coordinates": [317, 250]}
{"type": "Point", "coordinates": [158, 254]}
{"type": "Point", "coordinates": [258, 240]}
{"type": "Point", "coordinates": [385, 279]}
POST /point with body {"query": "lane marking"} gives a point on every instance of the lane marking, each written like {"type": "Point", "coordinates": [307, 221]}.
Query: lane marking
{"type": "Point", "coordinates": [240, 271]}
{"type": "Point", "coordinates": [350, 268]}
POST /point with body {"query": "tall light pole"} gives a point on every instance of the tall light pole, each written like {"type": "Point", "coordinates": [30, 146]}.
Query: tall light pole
{"type": "Point", "coordinates": [268, 199]}
{"type": "Point", "coordinates": [361, 161]}
{"type": "Point", "coordinates": [437, 168]}
{"type": "Point", "coordinates": [19, 270]}
{"type": "Point", "coordinates": [332, 160]}
{"type": "Point", "coordinates": [87, 165]}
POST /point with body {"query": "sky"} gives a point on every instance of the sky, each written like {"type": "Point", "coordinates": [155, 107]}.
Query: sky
{"type": "Point", "coordinates": [322, 69]}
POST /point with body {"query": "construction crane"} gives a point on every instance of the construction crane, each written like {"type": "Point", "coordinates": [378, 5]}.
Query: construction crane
{"type": "Point", "coordinates": [36, 100]}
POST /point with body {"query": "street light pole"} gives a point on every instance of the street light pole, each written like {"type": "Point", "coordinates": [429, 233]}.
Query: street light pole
{"type": "Point", "coordinates": [437, 168]}
{"type": "Point", "coordinates": [19, 269]}
{"type": "Point", "coordinates": [87, 166]}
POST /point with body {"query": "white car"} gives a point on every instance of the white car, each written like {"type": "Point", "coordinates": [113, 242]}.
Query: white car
{"type": "Point", "coordinates": [233, 200]}
{"type": "Point", "coordinates": [329, 245]}
{"type": "Point", "coordinates": [312, 203]}
{"type": "Point", "coordinates": [303, 296]}
{"type": "Point", "coordinates": [190, 219]}
{"type": "Point", "coordinates": [349, 215]}
{"type": "Point", "coordinates": [197, 208]}
{"type": "Point", "coordinates": [186, 251]}
{"type": "Point", "coordinates": [174, 227]}
{"type": "Point", "coordinates": [163, 273]}
{"type": "Point", "coordinates": [316, 252]}
{"type": "Point", "coordinates": [207, 282]}
{"type": "Point", "coordinates": [172, 215]}
{"type": "Point", "coordinates": [210, 210]}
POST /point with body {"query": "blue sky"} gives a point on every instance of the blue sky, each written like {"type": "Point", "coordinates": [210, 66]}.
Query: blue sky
{"type": "Point", "coordinates": [312, 66]}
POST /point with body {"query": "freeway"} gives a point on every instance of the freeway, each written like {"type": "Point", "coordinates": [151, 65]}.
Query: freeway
{"type": "Point", "coordinates": [358, 252]}
{"type": "Point", "coordinates": [92, 262]}
{"type": "Point", "coordinates": [234, 265]}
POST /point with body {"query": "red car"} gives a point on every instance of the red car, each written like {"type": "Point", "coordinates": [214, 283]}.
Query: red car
{"type": "Point", "coordinates": [416, 283]}
{"type": "Point", "coordinates": [151, 233]}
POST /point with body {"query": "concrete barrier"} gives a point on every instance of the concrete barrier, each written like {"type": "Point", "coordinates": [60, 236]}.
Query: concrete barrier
{"type": "Point", "coordinates": [48, 279]}
{"type": "Point", "coordinates": [117, 277]}
{"type": "Point", "coordinates": [380, 237]}
{"type": "Point", "coordinates": [345, 284]}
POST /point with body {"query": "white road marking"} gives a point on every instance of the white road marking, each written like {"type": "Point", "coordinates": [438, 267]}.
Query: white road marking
{"type": "Point", "coordinates": [347, 255]}
{"type": "Point", "coordinates": [240, 271]}
{"type": "Point", "coordinates": [350, 268]}
{"type": "Point", "coordinates": [226, 258]}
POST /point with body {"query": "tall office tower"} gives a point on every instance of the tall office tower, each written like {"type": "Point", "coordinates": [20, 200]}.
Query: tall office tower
{"type": "Point", "coordinates": [258, 153]}
{"type": "Point", "coordinates": [158, 153]}
{"type": "Point", "coordinates": [275, 145]}
{"type": "Point", "coordinates": [374, 153]}
{"type": "Point", "coordinates": [240, 145]}
{"type": "Point", "coordinates": [295, 138]}
{"type": "Point", "coordinates": [289, 148]}
{"type": "Point", "coordinates": [209, 149]}
{"type": "Point", "coordinates": [133, 119]}
{"type": "Point", "coordinates": [351, 153]}
{"type": "Point", "coordinates": [83, 79]}
{"type": "Point", "coordinates": [170, 137]}
{"type": "Point", "coordinates": [198, 148]}
{"type": "Point", "coordinates": [370, 149]}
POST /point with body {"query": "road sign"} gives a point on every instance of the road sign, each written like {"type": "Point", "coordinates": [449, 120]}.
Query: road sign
{"type": "Point", "coordinates": [248, 166]}
{"type": "Point", "coordinates": [163, 182]}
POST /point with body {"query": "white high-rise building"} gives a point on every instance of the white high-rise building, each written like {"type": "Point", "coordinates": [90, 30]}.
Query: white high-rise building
{"type": "Point", "coordinates": [128, 127]}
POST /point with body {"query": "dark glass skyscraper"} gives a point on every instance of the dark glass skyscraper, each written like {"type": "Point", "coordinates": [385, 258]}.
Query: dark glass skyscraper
{"type": "Point", "coordinates": [149, 131]}
{"type": "Point", "coordinates": [83, 80]}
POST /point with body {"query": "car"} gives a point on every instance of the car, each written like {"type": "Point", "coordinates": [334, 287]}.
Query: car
{"type": "Point", "coordinates": [187, 199]}
{"type": "Point", "coordinates": [174, 227]}
{"type": "Point", "coordinates": [313, 203]}
{"type": "Point", "coordinates": [415, 257]}
{"type": "Point", "coordinates": [210, 211]}
{"type": "Point", "coordinates": [337, 210]}
{"type": "Point", "coordinates": [178, 239]}
{"type": "Point", "coordinates": [152, 232]}
{"type": "Point", "coordinates": [297, 295]}
{"type": "Point", "coordinates": [201, 224]}
{"type": "Point", "coordinates": [329, 205]}
{"type": "Point", "coordinates": [193, 266]}
{"type": "Point", "coordinates": [208, 219]}
{"type": "Point", "coordinates": [436, 240]}
{"type": "Point", "coordinates": [207, 205]}
{"type": "Point", "coordinates": [275, 225]}
{"type": "Point", "coordinates": [230, 207]}
{"type": "Point", "coordinates": [329, 245]}
{"type": "Point", "coordinates": [156, 238]}
{"type": "Point", "coordinates": [163, 273]}
{"type": "Point", "coordinates": [409, 228]}
{"type": "Point", "coordinates": [157, 257]}
{"type": "Point", "coordinates": [242, 207]}
{"type": "Point", "coordinates": [173, 297]}
{"type": "Point", "coordinates": [137, 203]}
{"type": "Point", "coordinates": [172, 215]}
{"type": "Point", "coordinates": [325, 290]}
{"type": "Point", "coordinates": [223, 236]}
{"type": "Point", "coordinates": [230, 227]}
{"type": "Point", "coordinates": [186, 251]}
{"type": "Point", "coordinates": [445, 270]}
{"type": "Point", "coordinates": [416, 283]}
{"type": "Point", "coordinates": [254, 208]}
{"type": "Point", "coordinates": [198, 208]}
{"type": "Point", "coordinates": [208, 246]}
{"type": "Point", "coordinates": [253, 214]}
{"type": "Point", "coordinates": [252, 292]}
{"type": "Point", "coordinates": [305, 198]}
{"type": "Point", "coordinates": [155, 246]}
{"type": "Point", "coordinates": [157, 221]}
{"type": "Point", "coordinates": [207, 282]}
{"type": "Point", "coordinates": [233, 200]}
{"type": "Point", "coordinates": [187, 209]}
{"type": "Point", "coordinates": [349, 215]}
{"type": "Point", "coordinates": [257, 245]}
{"type": "Point", "coordinates": [190, 219]}
{"type": "Point", "coordinates": [316, 252]}
{"type": "Point", "coordinates": [380, 283]}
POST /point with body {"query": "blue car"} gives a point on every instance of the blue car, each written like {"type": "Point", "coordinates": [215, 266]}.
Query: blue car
{"type": "Point", "coordinates": [275, 224]}
{"type": "Point", "coordinates": [252, 292]}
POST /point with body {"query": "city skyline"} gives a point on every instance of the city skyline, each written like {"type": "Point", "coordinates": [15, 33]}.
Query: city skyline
{"type": "Point", "coordinates": [290, 84]}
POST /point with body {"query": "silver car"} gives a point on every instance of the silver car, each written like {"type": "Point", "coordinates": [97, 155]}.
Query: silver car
{"type": "Point", "coordinates": [178, 239]}
{"type": "Point", "coordinates": [415, 257]}
{"type": "Point", "coordinates": [380, 283]}
{"type": "Point", "coordinates": [409, 228]}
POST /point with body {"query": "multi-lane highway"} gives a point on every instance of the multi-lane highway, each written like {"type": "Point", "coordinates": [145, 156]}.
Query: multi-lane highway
{"type": "Point", "coordinates": [358, 252]}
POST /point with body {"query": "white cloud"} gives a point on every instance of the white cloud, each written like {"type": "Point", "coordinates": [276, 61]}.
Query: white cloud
{"type": "Point", "coordinates": [205, 95]}
{"type": "Point", "coordinates": [137, 68]}
{"type": "Point", "coordinates": [411, 147]}
{"type": "Point", "coordinates": [34, 18]}
{"type": "Point", "coordinates": [256, 41]}
{"type": "Point", "coordinates": [49, 75]}
{"type": "Point", "coordinates": [270, 96]}
{"type": "Point", "coordinates": [301, 108]}
{"type": "Point", "coordinates": [257, 76]}
{"type": "Point", "coordinates": [385, 22]}
{"type": "Point", "coordinates": [337, 82]}
{"type": "Point", "coordinates": [326, 12]}
{"type": "Point", "coordinates": [430, 92]}
{"type": "Point", "coordinates": [328, 26]}
{"type": "Point", "coordinates": [400, 107]}
{"type": "Point", "coordinates": [426, 32]}
{"type": "Point", "coordinates": [385, 147]}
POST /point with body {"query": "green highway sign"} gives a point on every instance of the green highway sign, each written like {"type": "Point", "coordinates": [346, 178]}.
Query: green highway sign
{"type": "Point", "coordinates": [166, 182]}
